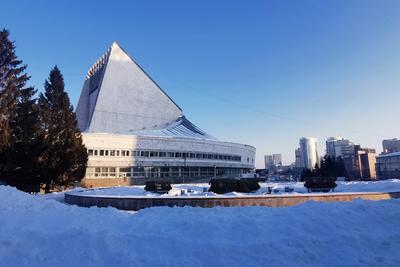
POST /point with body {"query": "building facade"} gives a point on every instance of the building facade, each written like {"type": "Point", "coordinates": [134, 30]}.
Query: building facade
{"type": "Point", "coordinates": [391, 145]}
{"type": "Point", "coordinates": [359, 162]}
{"type": "Point", "coordinates": [309, 152]}
{"type": "Point", "coordinates": [134, 131]}
{"type": "Point", "coordinates": [388, 166]}
{"type": "Point", "coordinates": [272, 161]}
{"type": "Point", "coordinates": [336, 145]}
{"type": "Point", "coordinates": [298, 163]}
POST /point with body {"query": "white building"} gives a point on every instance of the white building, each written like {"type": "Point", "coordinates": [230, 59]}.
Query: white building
{"type": "Point", "coordinates": [134, 131]}
{"type": "Point", "coordinates": [309, 152]}
{"type": "Point", "coordinates": [335, 146]}
{"type": "Point", "coordinates": [272, 161]}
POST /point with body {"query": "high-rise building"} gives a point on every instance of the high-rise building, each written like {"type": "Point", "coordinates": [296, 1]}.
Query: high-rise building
{"type": "Point", "coordinates": [359, 162]}
{"type": "Point", "coordinates": [273, 161]}
{"type": "Point", "coordinates": [335, 146]}
{"type": "Point", "coordinates": [134, 131]}
{"type": "Point", "coordinates": [309, 152]}
{"type": "Point", "coordinates": [391, 145]}
{"type": "Point", "coordinates": [298, 161]}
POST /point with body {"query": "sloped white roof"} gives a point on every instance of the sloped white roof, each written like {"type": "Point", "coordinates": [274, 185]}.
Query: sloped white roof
{"type": "Point", "coordinates": [181, 128]}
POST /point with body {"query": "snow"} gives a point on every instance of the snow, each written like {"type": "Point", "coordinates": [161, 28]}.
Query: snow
{"type": "Point", "coordinates": [197, 190]}
{"type": "Point", "coordinates": [40, 231]}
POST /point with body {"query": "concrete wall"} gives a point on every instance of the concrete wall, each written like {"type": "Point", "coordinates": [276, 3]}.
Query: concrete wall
{"type": "Point", "coordinates": [136, 203]}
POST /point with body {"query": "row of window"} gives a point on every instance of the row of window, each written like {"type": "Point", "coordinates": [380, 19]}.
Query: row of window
{"type": "Point", "coordinates": [162, 154]}
{"type": "Point", "coordinates": [113, 172]}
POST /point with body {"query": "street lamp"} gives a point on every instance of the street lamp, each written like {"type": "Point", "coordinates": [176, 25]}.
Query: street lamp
{"type": "Point", "coordinates": [215, 171]}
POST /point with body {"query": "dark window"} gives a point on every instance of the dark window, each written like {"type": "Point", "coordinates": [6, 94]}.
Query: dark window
{"type": "Point", "coordinates": [112, 153]}
{"type": "Point", "coordinates": [106, 153]}
{"type": "Point", "coordinates": [101, 152]}
{"type": "Point", "coordinates": [162, 154]}
{"type": "Point", "coordinates": [123, 153]}
{"type": "Point", "coordinates": [90, 152]}
{"type": "Point", "coordinates": [127, 153]}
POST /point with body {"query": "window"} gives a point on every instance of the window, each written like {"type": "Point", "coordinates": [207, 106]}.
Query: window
{"type": "Point", "coordinates": [123, 153]}
{"type": "Point", "coordinates": [127, 153]}
{"type": "Point", "coordinates": [90, 152]}
{"type": "Point", "coordinates": [104, 172]}
{"type": "Point", "coordinates": [153, 154]}
{"type": "Point", "coordinates": [178, 155]}
{"type": "Point", "coordinates": [185, 155]}
{"type": "Point", "coordinates": [162, 154]}
{"type": "Point", "coordinates": [95, 152]}
{"type": "Point", "coordinates": [117, 153]}
{"type": "Point", "coordinates": [112, 172]}
{"type": "Point", "coordinates": [170, 154]}
{"type": "Point", "coordinates": [112, 153]}
{"type": "Point", "coordinates": [106, 152]}
{"type": "Point", "coordinates": [192, 155]}
{"type": "Point", "coordinates": [101, 152]}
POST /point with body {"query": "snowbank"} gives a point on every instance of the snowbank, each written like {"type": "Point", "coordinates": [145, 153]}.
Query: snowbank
{"type": "Point", "coordinates": [35, 231]}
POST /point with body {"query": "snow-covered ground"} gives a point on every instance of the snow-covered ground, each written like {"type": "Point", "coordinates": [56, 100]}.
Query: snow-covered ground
{"type": "Point", "coordinates": [201, 189]}
{"type": "Point", "coordinates": [39, 231]}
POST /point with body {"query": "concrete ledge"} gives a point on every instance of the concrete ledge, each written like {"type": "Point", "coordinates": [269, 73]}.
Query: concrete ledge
{"type": "Point", "coordinates": [137, 203]}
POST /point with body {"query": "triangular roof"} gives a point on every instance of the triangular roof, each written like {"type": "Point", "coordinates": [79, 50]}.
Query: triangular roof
{"type": "Point", "coordinates": [118, 96]}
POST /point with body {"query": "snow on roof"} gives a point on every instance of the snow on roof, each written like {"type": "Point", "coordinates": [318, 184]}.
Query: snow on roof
{"type": "Point", "coordinates": [181, 128]}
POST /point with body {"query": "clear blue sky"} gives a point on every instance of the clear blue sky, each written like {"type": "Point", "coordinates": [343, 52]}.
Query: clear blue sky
{"type": "Point", "coordinates": [258, 72]}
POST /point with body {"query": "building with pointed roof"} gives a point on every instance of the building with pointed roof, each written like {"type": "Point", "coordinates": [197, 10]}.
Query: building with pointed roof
{"type": "Point", "coordinates": [134, 131]}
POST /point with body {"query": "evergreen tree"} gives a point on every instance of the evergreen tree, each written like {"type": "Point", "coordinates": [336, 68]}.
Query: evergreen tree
{"type": "Point", "coordinates": [11, 77]}
{"type": "Point", "coordinates": [20, 142]}
{"type": "Point", "coordinates": [65, 157]}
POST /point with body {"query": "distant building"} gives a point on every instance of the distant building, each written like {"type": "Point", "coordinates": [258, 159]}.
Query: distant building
{"type": "Point", "coordinates": [272, 161]}
{"type": "Point", "coordinates": [309, 152]}
{"type": "Point", "coordinates": [359, 162]}
{"type": "Point", "coordinates": [388, 166]}
{"type": "Point", "coordinates": [335, 146]}
{"type": "Point", "coordinates": [391, 145]}
{"type": "Point", "coordinates": [298, 162]}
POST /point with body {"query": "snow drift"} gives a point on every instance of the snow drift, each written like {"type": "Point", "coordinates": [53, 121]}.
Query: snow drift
{"type": "Point", "coordinates": [35, 231]}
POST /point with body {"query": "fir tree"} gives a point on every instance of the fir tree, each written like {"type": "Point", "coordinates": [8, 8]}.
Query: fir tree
{"type": "Point", "coordinates": [20, 141]}
{"type": "Point", "coordinates": [11, 78]}
{"type": "Point", "coordinates": [65, 157]}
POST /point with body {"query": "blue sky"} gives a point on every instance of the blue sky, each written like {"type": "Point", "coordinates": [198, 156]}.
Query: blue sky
{"type": "Point", "coordinates": [263, 73]}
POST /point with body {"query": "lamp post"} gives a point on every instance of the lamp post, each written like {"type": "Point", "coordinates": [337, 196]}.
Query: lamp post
{"type": "Point", "coordinates": [215, 171]}
{"type": "Point", "coordinates": [184, 169]}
